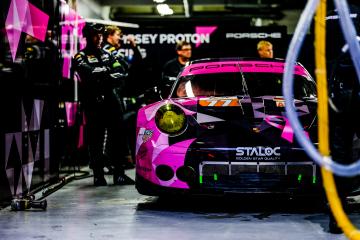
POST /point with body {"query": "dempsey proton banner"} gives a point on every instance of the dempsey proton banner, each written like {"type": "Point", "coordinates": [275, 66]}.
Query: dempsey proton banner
{"type": "Point", "coordinates": [157, 44]}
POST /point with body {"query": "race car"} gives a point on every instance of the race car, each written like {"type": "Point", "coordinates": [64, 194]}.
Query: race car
{"type": "Point", "coordinates": [224, 129]}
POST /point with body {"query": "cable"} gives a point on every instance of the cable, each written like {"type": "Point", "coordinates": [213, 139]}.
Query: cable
{"type": "Point", "coordinates": [62, 182]}
{"type": "Point", "coordinates": [328, 180]}
{"type": "Point", "coordinates": [323, 122]}
{"type": "Point", "coordinates": [296, 42]}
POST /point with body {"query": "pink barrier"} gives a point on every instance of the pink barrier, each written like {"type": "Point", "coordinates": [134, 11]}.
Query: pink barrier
{"type": "Point", "coordinates": [71, 110]}
{"type": "Point", "coordinates": [24, 17]}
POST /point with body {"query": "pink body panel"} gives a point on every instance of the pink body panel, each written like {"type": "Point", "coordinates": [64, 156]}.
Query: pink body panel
{"type": "Point", "coordinates": [152, 147]}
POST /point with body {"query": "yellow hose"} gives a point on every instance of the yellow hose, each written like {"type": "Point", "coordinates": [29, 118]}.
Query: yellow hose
{"type": "Point", "coordinates": [323, 130]}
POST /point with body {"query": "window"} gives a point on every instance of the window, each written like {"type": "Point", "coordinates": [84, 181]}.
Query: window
{"type": "Point", "coordinates": [232, 84]}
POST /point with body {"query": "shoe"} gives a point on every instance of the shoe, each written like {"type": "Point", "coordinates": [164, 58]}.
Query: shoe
{"type": "Point", "coordinates": [334, 227]}
{"type": "Point", "coordinates": [100, 181]}
{"type": "Point", "coordinates": [123, 180]}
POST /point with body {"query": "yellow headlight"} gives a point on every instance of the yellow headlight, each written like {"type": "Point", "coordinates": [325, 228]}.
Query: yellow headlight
{"type": "Point", "coordinates": [170, 119]}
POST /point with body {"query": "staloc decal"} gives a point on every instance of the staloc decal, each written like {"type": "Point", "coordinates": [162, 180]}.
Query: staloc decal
{"type": "Point", "coordinates": [259, 153]}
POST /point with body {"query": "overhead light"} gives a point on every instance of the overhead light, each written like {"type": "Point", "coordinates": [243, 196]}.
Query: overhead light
{"type": "Point", "coordinates": [159, 1]}
{"type": "Point", "coordinates": [65, 9]}
{"type": "Point", "coordinates": [164, 9]}
{"type": "Point", "coordinates": [115, 23]}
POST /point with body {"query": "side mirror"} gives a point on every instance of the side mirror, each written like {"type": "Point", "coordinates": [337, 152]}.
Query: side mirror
{"type": "Point", "coordinates": [165, 87]}
{"type": "Point", "coordinates": [164, 91]}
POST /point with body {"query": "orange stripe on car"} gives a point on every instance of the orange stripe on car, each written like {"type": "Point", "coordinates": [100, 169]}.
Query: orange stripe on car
{"type": "Point", "coordinates": [220, 103]}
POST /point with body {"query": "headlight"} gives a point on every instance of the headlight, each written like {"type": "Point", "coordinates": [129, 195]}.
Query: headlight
{"type": "Point", "coordinates": [171, 119]}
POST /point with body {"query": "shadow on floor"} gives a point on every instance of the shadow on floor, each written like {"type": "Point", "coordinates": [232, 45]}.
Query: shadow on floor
{"type": "Point", "coordinates": [234, 204]}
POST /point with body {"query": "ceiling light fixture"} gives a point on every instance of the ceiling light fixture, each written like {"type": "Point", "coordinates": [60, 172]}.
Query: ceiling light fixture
{"type": "Point", "coordinates": [164, 9]}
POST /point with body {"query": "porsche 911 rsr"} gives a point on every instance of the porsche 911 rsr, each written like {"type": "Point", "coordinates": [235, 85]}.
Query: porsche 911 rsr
{"type": "Point", "coordinates": [224, 129]}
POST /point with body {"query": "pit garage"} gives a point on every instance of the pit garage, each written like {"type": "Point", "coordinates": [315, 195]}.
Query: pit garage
{"type": "Point", "coordinates": [193, 119]}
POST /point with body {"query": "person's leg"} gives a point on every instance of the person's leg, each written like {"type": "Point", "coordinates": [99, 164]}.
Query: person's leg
{"type": "Point", "coordinates": [119, 153]}
{"type": "Point", "coordinates": [130, 123]}
{"type": "Point", "coordinates": [95, 135]}
{"type": "Point", "coordinates": [117, 146]}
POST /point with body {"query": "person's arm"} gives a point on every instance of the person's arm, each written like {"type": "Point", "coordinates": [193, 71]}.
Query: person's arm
{"type": "Point", "coordinates": [87, 71]}
{"type": "Point", "coordinates": [167, 73]}
{"type": "Point", "coordinates": [117, 72]}
{"type": "Point", "coordinates": [137, 55]}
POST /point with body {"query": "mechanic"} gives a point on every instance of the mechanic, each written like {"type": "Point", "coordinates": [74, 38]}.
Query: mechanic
{"type": "Point", "coordinates": [172, 68]}
{"type": "Point", "coordinates": [265, 49]}
{"type": "Point", "coordinates": [113, 35]}
{"type": "Point", "coordinates": [344, 101]}
{"type": "Point", "coordinates": [101, 77]}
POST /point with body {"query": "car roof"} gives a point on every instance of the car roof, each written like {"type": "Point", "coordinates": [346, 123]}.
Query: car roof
{"type": "Point", "coordinates": [224, 65]}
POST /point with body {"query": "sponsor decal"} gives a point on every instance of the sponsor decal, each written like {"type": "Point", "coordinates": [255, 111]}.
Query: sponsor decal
{"type": "Point", "coordinates": [257, 35]}
{"type": "Point", "coordinates": [279, 101]}
{"type": "Point", "coordinates": [258, 153]}
{"type": "Point", "coordinates": [204, 30]}
{"type": "Point", "coordinates": [104, 57]}
{"type": "Point", "coordinates": [169, 38]}
{"type": "Point", "coordinates": [237, 66]}
{"type": "Point", "coordinates": [92, 59]}
{"type": "Point", "coordinates": [129, 53]}
{"type": "Point", "coordinates": [147, 135]}
{"type": "Point", "coordinates": [202, 35]}
{"type": "Point", "coordinates": [225, 102]}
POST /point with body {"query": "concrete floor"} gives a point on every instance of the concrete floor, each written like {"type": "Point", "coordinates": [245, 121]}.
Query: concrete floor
{"type": "Point", "coordinates": [81, 211]}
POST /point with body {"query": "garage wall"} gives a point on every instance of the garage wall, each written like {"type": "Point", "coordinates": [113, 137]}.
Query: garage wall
{"type": "Point", "coordinates": [29, 75]}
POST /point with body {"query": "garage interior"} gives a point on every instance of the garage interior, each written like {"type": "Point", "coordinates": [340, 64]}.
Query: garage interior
{"type": "Point", "coordinates": [44, 140]}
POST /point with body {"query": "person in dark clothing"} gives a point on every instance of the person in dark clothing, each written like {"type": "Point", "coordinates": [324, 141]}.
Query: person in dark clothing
{"type": "Point", "coordinates": [102, 76]}
{"type": "Point", "coordinates": [344, 102]}
{"type": "Point", "coordinates": [172, 68]}
{"type": "Point", "coordinates": [113, 36]}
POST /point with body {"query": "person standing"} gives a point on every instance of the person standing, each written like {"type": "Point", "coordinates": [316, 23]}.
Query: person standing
{"type": "Point", "coordinates": [344, 101]}
{"type": "Point", "coordinates": [100, 74]}
{"type": "Point", "coordinates": [113, 37]}
{"type": "Point", "coordinates": [172, 68]}
{"type": "Point", "coordinates": [265, 49]}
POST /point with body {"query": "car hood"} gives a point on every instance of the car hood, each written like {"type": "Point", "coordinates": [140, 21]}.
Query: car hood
{"type": "Point", "coordinates": [246, 121]}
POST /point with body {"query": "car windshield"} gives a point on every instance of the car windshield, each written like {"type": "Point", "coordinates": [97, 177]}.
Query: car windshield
{"type": "Point", "coordinates": [232, 84]}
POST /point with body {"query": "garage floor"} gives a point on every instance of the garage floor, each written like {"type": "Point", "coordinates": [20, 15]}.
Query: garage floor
{"type": "Point", "coordinates": [81, 211]}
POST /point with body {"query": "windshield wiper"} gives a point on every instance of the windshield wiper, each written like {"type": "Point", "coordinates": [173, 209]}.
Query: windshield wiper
{"type": "Point", "coordinates": [243, 82]}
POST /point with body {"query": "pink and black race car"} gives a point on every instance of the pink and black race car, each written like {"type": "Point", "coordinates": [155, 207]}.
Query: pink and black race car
{"type": "Point", "coordinates": [224, 129]}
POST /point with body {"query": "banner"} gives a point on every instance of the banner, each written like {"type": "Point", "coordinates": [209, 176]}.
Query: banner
{"type": "Point", "coordinates": [157, 45]}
